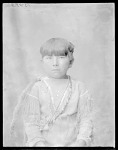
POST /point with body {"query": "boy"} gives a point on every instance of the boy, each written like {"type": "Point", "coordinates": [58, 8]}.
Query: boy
{"type": "Point", "coordinates": [56, 108]}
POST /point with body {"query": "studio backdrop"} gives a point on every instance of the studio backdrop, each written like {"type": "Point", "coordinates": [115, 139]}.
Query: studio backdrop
{"type": "Point", "coordinates": [90, 27]}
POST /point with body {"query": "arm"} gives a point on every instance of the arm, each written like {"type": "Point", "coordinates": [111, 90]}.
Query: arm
{"type": "Point", "coordinates": [32, 119]}
{"type": "Point", "coordinates": [85, 125]}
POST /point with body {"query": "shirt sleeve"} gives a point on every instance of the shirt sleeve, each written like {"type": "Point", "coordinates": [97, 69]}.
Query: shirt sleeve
{"type": "Point", "coordinates": [85, 124]}
{"type": "Point", "coordinates": [32, 117]}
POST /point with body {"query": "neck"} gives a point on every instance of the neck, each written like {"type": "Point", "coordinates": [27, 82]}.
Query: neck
{"type": "Point", "coordinates": [64, 77]}
{"type": "Point", "coordinates": [59, 80]}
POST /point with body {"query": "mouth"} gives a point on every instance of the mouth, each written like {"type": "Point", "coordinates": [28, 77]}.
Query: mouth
{"type": "Point", "coordinates": [55, 69]}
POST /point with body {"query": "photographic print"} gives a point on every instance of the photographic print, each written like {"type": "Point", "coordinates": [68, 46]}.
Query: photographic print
{"type": "Point", "coordinates": [58, 74]}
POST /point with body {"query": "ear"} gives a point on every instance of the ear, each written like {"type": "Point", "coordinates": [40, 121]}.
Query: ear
{"type": "Point", "coordinates": [71, 63]}
{"type": "Point", "coordinates": [41, 61]}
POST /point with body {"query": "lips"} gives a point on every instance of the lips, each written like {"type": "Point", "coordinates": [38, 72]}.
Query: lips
{"type": "Point", "coordinates": [55, 70]}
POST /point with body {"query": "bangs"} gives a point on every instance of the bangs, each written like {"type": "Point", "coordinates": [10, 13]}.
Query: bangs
{"type": "Point", "coordinates": [54, 52]}
{"type": "Point", "coordinates": [57, 47]}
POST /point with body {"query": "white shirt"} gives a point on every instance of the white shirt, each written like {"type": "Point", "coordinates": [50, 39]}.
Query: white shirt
{"type": "Point", "coordinates": [73, 123]}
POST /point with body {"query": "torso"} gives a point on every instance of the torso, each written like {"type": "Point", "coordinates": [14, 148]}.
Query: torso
{"type": "Point", "coordinates": [63, 128]}
{"type": "Point", "coordinates": [57, 90]}
{"type": "Point", "coordinates": [45, 98]}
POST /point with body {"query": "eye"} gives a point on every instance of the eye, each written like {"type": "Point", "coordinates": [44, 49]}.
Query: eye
{"type": "Point", "coordinates": [49, 57]}
{"type": "Point", "coordinates": [61, 57]}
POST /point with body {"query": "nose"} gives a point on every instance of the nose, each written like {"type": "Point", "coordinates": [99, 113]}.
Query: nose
{"type": "Point", "coordinates": [55, 61]}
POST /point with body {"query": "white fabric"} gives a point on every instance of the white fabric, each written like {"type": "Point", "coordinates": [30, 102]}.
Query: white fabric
{"type": "Point", "coordinates": [73, 124]}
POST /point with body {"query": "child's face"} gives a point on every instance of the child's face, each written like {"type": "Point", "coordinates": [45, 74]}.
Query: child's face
{"type": "Point", "coordinates": [56, 66]}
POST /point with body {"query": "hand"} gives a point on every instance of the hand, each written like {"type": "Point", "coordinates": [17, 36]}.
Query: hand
{"type": "Point", "coordinates": [40, 144]}
{"type": "Point", "coordinates": [79, 143]}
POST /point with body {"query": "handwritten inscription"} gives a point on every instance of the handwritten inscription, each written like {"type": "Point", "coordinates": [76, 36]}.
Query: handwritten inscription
{"type": "Point", "coordinates": [20, 4]}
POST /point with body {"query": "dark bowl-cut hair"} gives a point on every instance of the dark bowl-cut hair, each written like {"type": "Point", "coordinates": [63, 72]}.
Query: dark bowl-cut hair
{"type": "Point", "coordinates": [57, 47]}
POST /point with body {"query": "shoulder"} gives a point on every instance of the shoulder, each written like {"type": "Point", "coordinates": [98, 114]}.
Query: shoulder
{"type": "Point", "coordinates": [80, 85]}
{"type": "Point", "coordinates": [37, 82]}
{"type": "Point", "coordinates": [78, 82]}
